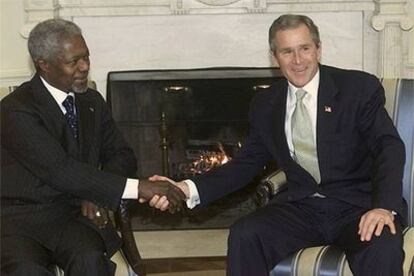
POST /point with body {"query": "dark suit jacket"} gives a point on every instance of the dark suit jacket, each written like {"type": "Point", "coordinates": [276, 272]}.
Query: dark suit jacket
{"type": "Point", "coordinates": [45, 172]}
{"type": "Point", "coordinates": [361, 156]}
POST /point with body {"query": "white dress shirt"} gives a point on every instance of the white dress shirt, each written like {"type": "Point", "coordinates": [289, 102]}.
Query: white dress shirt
{"type": "Point", "coordinates": [131, 186]}
{"type": "Point", "coordinates": [310, 101]}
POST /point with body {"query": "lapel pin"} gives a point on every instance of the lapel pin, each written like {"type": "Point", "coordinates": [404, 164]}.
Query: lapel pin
{"type": "Point", "coordinates": [328, 109]}
{"type": "Point", "coordinates": [91, 109]}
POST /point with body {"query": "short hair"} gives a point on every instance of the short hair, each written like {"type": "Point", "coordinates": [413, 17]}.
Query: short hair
{"type": "Point", "coordinates": [292, 21]}
{"type": "Point", "coordinates": [46, 37]}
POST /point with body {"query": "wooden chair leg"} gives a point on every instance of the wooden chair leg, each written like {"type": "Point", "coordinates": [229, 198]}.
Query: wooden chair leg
{"type": "Point", "coordinates": [129, 247]}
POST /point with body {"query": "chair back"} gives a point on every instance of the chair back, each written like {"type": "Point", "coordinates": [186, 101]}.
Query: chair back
{"type": "Point", "coordinates": [399, 95]}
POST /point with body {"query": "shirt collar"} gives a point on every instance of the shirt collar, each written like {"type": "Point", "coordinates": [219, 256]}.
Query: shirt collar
{"type": "Point", "coordinates": [57, 94]}
{"type": "Point", "coordinates": [311, 87]}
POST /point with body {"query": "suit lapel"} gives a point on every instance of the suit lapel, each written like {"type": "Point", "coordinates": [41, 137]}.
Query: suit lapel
{"type": "Point", "coordinates": [327, 106]}
{"type": "Point", "coordinates": [54, 119]}
{"type": "Point", "coordinates": [86, 121]}
{"type": "Point", "coordinates": [327, 116]}
{"type": "Point", "coordinates": [47, 105]}
{"type": "Point", "coordinates": [277, 124]}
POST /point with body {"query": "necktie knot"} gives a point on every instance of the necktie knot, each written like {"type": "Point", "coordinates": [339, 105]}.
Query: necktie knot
{"type": "Point", "coordinates": [68, 104]}
{"type": "Point", "coordinates": [70, 115]}
{"type": "Point", "coordinates": [300, 93]}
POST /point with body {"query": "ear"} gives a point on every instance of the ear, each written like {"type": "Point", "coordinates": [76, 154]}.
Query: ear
{"type": "Point", "coordinates": [43, 65]}
{"type": "Point", "coordinates": [319, 51]}
{"type": "Point", "coordinates": [273, 58]}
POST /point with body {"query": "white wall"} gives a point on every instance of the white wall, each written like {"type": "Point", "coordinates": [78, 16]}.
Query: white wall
{"type": "Point", "coordinates": [15, 64]}
{"type": "Point", "coordinates": [161, 42]}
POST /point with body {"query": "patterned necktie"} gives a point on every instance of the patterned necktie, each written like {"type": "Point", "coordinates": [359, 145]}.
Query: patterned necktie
{"type": "Point", "coordinates": [302, 138]}
{"type": "Point", "coordinates": [70, 115]}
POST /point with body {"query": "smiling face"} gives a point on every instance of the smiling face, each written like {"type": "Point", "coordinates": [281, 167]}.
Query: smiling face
{"type": "Point", "coordinates": [68, 71]}
{"type": "Point", "coordinates": [297, 54]}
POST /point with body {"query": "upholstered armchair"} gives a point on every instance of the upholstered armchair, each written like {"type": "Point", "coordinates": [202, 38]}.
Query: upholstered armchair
{"type": "Point", "coordinates": [328, 260]}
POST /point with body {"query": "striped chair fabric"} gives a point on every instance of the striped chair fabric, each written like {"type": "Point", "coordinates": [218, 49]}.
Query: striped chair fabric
{"type": "Point", "coordinates": [330, 261]}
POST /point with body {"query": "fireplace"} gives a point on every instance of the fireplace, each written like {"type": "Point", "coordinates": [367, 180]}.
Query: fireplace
{"type": "Point", "coordinates": [185, 122]}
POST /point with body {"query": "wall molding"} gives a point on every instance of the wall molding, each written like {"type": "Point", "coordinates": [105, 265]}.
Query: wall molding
{"type": "Point", "coordinates": [37, 9]}
{"type": "Point", "coordinates": [15, 73]}
{"type": "Point", "coordinates": [11, 78]}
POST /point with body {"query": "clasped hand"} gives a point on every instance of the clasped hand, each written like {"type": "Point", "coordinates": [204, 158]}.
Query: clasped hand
{"type": "Point", "coordinates": [162, 195]}
{"type": "Point", "coordinates": [96, 214]}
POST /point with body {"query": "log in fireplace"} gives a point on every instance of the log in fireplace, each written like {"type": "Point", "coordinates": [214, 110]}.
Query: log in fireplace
{"type": "Point", "coordinates": [184, 122]}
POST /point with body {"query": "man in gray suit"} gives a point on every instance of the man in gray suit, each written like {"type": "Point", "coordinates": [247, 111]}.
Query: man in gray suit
{"type": "Point", "coordinates": [61, 154]}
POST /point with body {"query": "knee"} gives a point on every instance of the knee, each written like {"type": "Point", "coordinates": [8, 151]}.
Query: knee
{"type": "Point", "coordinates": [387, 242]}
{"type": "Point", "coordinates": [90, 263]}
{"type": "Point", "coordinates": [243, 230]}
{"type": "Point", "coordinates": [387, 247]}
{"type": "Point", "coordinates": [383, 255]}
{"type": "Point", "coordinates": [87, 257]}
{"type": "Point", "coordinates": [25, 267]}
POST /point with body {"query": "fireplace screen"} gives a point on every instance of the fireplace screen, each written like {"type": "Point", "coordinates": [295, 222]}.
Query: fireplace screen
{"type": "Point", "coordinates": [185, 122]}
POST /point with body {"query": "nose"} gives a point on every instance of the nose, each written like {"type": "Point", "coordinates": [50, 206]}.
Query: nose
{"type": "Point", "coordinates": [83, 64]}
{"type": "Point", "coordinates": [296, 57]}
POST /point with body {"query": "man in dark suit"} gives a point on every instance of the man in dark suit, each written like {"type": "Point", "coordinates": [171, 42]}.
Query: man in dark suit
{"type": "Point", "coordinates": [60, 150]}
{"type": "Point", "coordinates": [327, 129]}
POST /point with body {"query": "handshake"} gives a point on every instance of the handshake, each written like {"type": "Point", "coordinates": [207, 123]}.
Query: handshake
{"type": "Point", "coordinates": [163, 193]}
{"type": "Point", "coordinates": [159, 191]}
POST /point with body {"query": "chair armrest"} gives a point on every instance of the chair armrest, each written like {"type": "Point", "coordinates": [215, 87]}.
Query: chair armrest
{"type": "Point", "coordinates": [269, 186]}
{"type": "Point", "coordinates": [129, 247]}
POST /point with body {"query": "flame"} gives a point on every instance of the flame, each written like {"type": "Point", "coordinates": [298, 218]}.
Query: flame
{"type": "Point", "coordinates": [206, 160]}
{"type": "Point", "coordinates": [209, 160]}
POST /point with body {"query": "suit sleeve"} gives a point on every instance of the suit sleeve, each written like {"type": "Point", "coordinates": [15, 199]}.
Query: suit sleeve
{"type": "Point", "coordinates": [385, 145]}
{"type": "Point", "coordinates": [237, 173]}
{"type": "Point", "coordinates": [26, 137]}
{"type": "Point", "coordinates": [115, 154]}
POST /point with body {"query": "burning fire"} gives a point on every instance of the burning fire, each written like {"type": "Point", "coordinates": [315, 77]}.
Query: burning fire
{"type": "Point", "coordinates": [207, 160]}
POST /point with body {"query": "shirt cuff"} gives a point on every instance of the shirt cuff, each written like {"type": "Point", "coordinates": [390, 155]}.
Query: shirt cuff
{"type": "Point", "coordinates": [194, 198]}
{"type": "Point", "coordinates": [131, 189]}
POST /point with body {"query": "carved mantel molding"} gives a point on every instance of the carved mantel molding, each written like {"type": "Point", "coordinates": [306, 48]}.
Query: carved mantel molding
{"type": "Point", "coordinates": [38, 10]}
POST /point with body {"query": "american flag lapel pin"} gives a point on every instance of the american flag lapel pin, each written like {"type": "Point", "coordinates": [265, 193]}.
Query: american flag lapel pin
{"type": "Point", "coordinates": [328, 109]}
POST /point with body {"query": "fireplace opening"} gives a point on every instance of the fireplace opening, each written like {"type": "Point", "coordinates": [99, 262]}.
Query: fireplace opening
{"type": "Point", "coordinates": [181, 123]}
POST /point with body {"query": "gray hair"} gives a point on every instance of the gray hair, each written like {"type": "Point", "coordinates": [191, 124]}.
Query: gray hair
{"type": "Point", "coordinates": [292, 21]}
{"type": "Point", "coordinates": [46, 37]}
